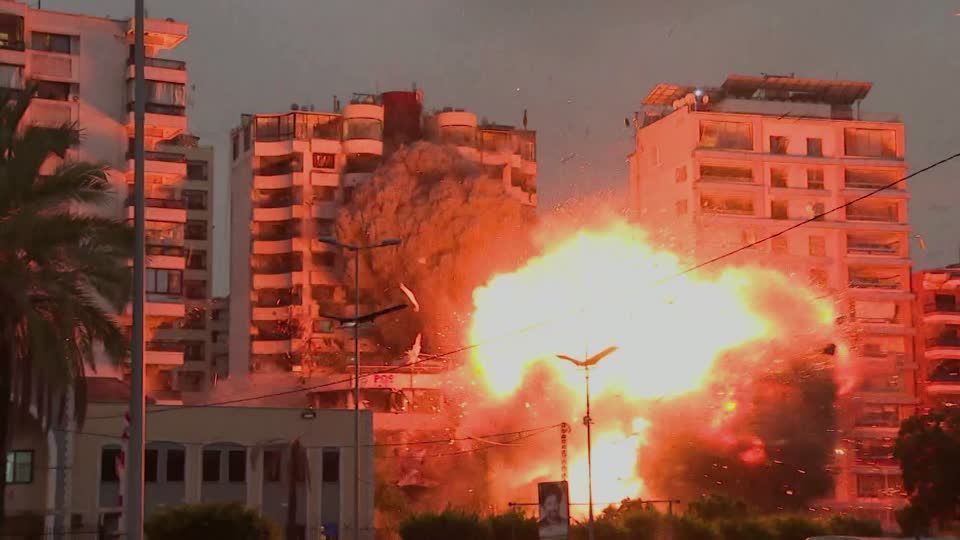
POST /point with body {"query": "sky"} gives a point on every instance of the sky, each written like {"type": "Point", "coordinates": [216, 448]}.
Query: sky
{"type": "Point", "coordinates": [578, 67]}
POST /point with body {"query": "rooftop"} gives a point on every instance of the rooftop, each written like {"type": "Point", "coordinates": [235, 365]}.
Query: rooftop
{"type": "Point", "coordinates": [768, 88]}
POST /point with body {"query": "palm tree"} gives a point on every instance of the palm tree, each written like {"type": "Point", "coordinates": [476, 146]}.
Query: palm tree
{"type": "Point", "coordinates": [63, 271]}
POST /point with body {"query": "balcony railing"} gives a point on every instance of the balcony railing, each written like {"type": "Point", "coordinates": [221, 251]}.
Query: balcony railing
{"type": "Point", "coordinates": [942, 308]}
{"type": "Point", "coordinates": [871, 248]}
{"type": "Point", "coordinates": [281, 201]}
{"type": "Point", "coordinates": [951, 342]}
{"type": "Point", "coordinates": [868, 282]}
{"type": "Point", "coordinates": [278, 268]}
{"type": "Point", "coordinates": [165, 63]}
{"type": "Point", "coordinates": [169, 251]}
{"type": "Point", "coordinates": [885, 215]}
{"type": "Point", "coordinates": [156, 155]}
{"type": "Point", "coordinates": [727, 179]}
{"type": "Point", "coordinates": [164, 346]}
{"type": "Point", "coordinates": [159, 203]}
{"type": "Point", "coordinates": [161, 108]}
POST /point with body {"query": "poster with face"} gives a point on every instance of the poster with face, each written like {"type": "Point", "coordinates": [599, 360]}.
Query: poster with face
{"type": "Point", "coordinates": [554, 518]}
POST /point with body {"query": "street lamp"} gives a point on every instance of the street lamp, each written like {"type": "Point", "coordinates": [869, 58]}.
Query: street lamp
{"type": "Point", "coordinates": [356, 321]}
{"type": "Point", "coordinates": [587, 421]}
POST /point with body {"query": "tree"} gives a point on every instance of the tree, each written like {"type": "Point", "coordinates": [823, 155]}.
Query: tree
{"type": "Point", "coordinates": [63, 269]}
{"type": "Point", "coordinates": [513, 525]}
{"type": "Point", "coordinates": [928, 449]}
{"type": "Point", "coordinates": [444, 526]}
{"type": "Point", "coordinates": [215, 521]}
{"type": "Point", "coordinates": [854, 526]}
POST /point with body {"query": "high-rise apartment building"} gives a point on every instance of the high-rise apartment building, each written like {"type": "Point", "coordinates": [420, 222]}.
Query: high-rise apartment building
{"type": "Point", "coordinates": [291, 173]}
{"type": "Point", "coordinates": [83, 70]}
{"type": "Point", "coordinates": [715, 168]}
{"type": "Point", "coordinates": [938, 335]}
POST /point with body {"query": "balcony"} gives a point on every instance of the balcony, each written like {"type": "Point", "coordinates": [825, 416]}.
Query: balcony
{"type": "Point", "coordinates": [168, 210]}
{"type": "Point", "coordinates": [889, 214]}
{"type": "Point", "coordinates": [942, 347]}
{"type": "Point", "coordinates": [52, 66]}
{"type": "Point", "coordinates": [941, 313]}
{"type": "Point", "coordinates": [283, 213]}
{"type": "Point", "coordinates": [277, 281]}
{"type": "Point", "coordinates": [159, 33]}
{"type": "Point", "coordinates": [276, 313]}
{"type": "Point", "coordinates": [727, 207]}
{"type": "Point", "coordinates": [160, 69]}
{"type": "Point", "coordinates": [161, 120]}
{"type": "Point", "coordinates": [161, 306]}
{"type": "Point", "coordinates": [862, 247]}
{"type": "Point", "coordinates": [169, 164]}
{"type": "Point", "coordinates": [271, 347]}
{"type": "Point", "coordinates": [891, 283]}
{"type": "Point", "coordinates": [163, 353]}
{"type": "Point", "coordinates": [272, 247]}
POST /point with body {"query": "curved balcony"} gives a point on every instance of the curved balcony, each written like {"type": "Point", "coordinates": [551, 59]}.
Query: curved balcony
{"type": "Point", "coordinates": [160, 213]}
{"type": "Point", "coordinates": [323, 277]}
{"type": "Point", "coordinates": [327, 146]}
{"type": "Point", "coordinates": [363, 146]}
{"type": "Point", "coordinates": [324, 210]}
{"type": "Point", "coordinates": [271, 247]}
{"type": "Point", "coordinates": [363, 110]}
{"type": "Point", "coordinates": [942, 314]}
{"type": "Point", "coordinates": [270, 347]}
{"type": "Point", "coordinates": [273, 148]}
{"type": "Point", "coordinates": [941, 348]}
{"type": "Point", "coordinates": [163, 353]}
{"type": "Point", "coordinates": [274, 182]}
{"type": "Point", "coordinates": [168, 164]}
{"type": "Point", "coordinates": [456, 118]}
{"type": "Point", "coordinates": [276, 313]}
{"type": "Point", "coordinates": [277, 281]}
{"type": "Point", "coordinates": [282, 213]}
{"type": "Point", "coordinates": [324, 179]}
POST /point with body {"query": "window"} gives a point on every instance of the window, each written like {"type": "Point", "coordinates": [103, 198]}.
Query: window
{"type": "Point", "coordinates": [818, 277]}
{"type": "Point", "coordinates": [681, 207]}
{"type": "Point", "coordinates": [161, 281]}
{"type": "Point", "coordinates": [324, 193]}
{"type": "Point", "coordinates": [58, 91]}
{"type": "Point", "coordinates": [779, 245]}
{"type": "Point", "coordinates": [816, 210]}
{"type": "Point", "coordinates": [197, 170]}
{"type": "Point", "coordinates": [778, 210]}
{"type": "Point", "coordinates": [324, 259]}
{"type": "Point", "coordinates": [778, 177]}
{"type": "Point", "coordinates": [237, 466]}
{"type": "Point", "coordinates": [362, 128]}
{"type": "Point", "coordinates": [195, 199]}
{"type": "Point", "coordinates": [150, 463]}
{"type": "Point", "coordinates": [246, 136]}
{"type": "Point", "coordinates": [731, 135]}
{"type": "Point", "coordinates": [322, 160]}
{"type": "Point", "coordinates": [170, 97]}
{"type": "Point", "coordinates": [815, 179]}
{"type": "Point", "coordinates": [271, 465]}
{"type": "Point", "coordinates": [197, 260]}
{"type": "Point", "coordinates": [235, 146]}
{"type": "Point", "coordinates": [215, 315]}
{"type": "Point", "coordinates": [778, 144]}
{"type": "Point", "coordinates": [193, 351]}
{"type": "Point", "coordinates": [108, 464]}
{"type": "Point", "coordinates": [11, 76]}
{"type": "Point", "coordinates": [195, 288]}
{"type": "Point", "coordinates": [680, 174]}
{"type": "Point", "coordinates": [176, 464]}
{"type": "Point", "coordinates": [331, 465]}
{"type": "Point", "coordinates": [818, 246]}
{"type": "Point", "coordinates": [11, 32]}
{"type": "Point", "coordinates": [879, 485]}
{"type": "Point", "coordinates": [211, 465]}
{"type": "Point", "coordinates": [814, 147]}
{"type": "Point", "coordinates": [870, 142]}
{"type": "Point", "coordinates": [19, 467]}
{"type": "Point", "coordinates": [277, 165]}
{"type": "Point", "coordinates": [43, 41]}
{"type": "Point", "coordinates": [195, 230]}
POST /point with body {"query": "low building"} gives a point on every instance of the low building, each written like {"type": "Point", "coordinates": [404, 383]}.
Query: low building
{"type": "Point", "coordinates": [66, 481]}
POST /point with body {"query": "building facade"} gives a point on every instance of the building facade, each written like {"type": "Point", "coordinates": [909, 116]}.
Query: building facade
{"type": "Point", "coordinates": [715, 168]}
{"type": "Point", "coordinates": [291, 173]}
{"type": "Point", "coordinates": [938, 335]}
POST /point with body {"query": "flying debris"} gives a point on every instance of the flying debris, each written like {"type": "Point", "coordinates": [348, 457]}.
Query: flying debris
{"type": "Point", "coordinates": [413, 300]}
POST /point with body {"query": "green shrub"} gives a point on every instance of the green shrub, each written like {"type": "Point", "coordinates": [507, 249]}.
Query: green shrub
{"type": "Point", "coordinates": [447, 525]}
{"type": "Point", "coordinates": [690, 527]}
{"type": "Point", "coordinates": [714, 507]}
{"type": "Point", "coordinates": [604, 529]}
{"type": "Point", "coordinates": [514, 525]}
{"type": "Point", "coordinates": [641, 524]}
{"type": "Point", "coordinates": [914, 520]}
{"type": "Point", "coordinates": [216, 521]}
{"type": "Point", "coordinates": [854, 526]}
{"type": "Point", "coordinates": [793, 527]}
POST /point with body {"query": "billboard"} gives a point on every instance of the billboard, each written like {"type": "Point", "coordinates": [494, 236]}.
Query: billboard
{"type": "Point", "coordinates": [553, 522]}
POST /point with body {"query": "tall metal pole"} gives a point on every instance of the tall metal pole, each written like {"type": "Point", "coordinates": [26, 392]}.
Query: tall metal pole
{"type": "Point", "coordinates": [133, 498]}
{"type": "Point", "coordinates": [588, 420]}
{"type": "Point", "coordinates": [356, 399]}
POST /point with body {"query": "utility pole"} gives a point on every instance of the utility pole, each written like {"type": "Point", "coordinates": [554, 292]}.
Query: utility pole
{"type": "Point", "coordinates": [356, 321]}
{"type": "Point", "coordinates": [133, 499]}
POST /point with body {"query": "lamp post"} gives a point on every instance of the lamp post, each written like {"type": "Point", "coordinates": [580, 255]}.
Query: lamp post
{"type": "Point", "coordinates": [356, 321]}
{"type": "Point", "coordinates": [588, 421]}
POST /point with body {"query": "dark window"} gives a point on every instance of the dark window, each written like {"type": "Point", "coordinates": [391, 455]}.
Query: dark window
{"type": "Point", "coordinates": [11, 32]}
{"type": "Point", "coordinates": [778, 209]}
{"type": "Point", "coordinates": [11, 76]}
{"type": "Point", "coordinates": [815, 179]}
{"type": "Point", "coordinates": [195, 230]}
{"type": "Point", "coordinates": [237, 466]}
{"type": "Point", "coordinates": [324, 193]}
{"type": "Point", "coordinates": [277, 165]}
{"type": "Point", "coordinates": [246, 136]}
{"type": "Point", "coordinates": [271, 466]}
{"type": "Point", "coordinates": [214, 335]}
{"type": "Point", "coordinates": [197, 170]}
{"type": "Point", "coordinates": [19, 467]}
{"type": "Point", "coordinates": [193, 351]}
{"type": "Point", "coordinates": [197, 260]}
{"type": "Point", "coordinates": [778, 177]}
{"type": "Point", "coordinates": [215, 315]}
{"type": "Point", "coordinates": [59, 91]}
{"type": "Point", "coordinates": [160, 281]}
{"type": "Point", "coordinates": [150, 462]}
{"type": "Point", "coordinates": [195, 199]}
{"type": "Point", "coordinates": [211, 465]}
{"type": "Point", "coordinates": [108, 465]}
{"type": "Point", "coordinates": [324, 259]}
{"type": "Point", "coordinates": [814, 147]}
{"type": "Point", "coordinates": [331, 465]}
{"type": "Point", "coordinates": [195, 288]}
{"type": "Point", "coordinates": [778, 144]}
{"type": "Point", "coordinates": [323, 160]}
{"type": "Point", "coordinates": [43, 41]}
{"type": "Point", "coordinates": [235, 146]}
{"type": "Point", "coordinates": [176, 465]}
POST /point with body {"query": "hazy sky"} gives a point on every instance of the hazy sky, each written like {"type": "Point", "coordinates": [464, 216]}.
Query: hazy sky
{"type": "Point", "coordinates": [579, 67]}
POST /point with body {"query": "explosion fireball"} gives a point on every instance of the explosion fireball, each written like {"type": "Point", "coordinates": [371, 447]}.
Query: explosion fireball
{"type": "Point", "coordinates": [692, 348]}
